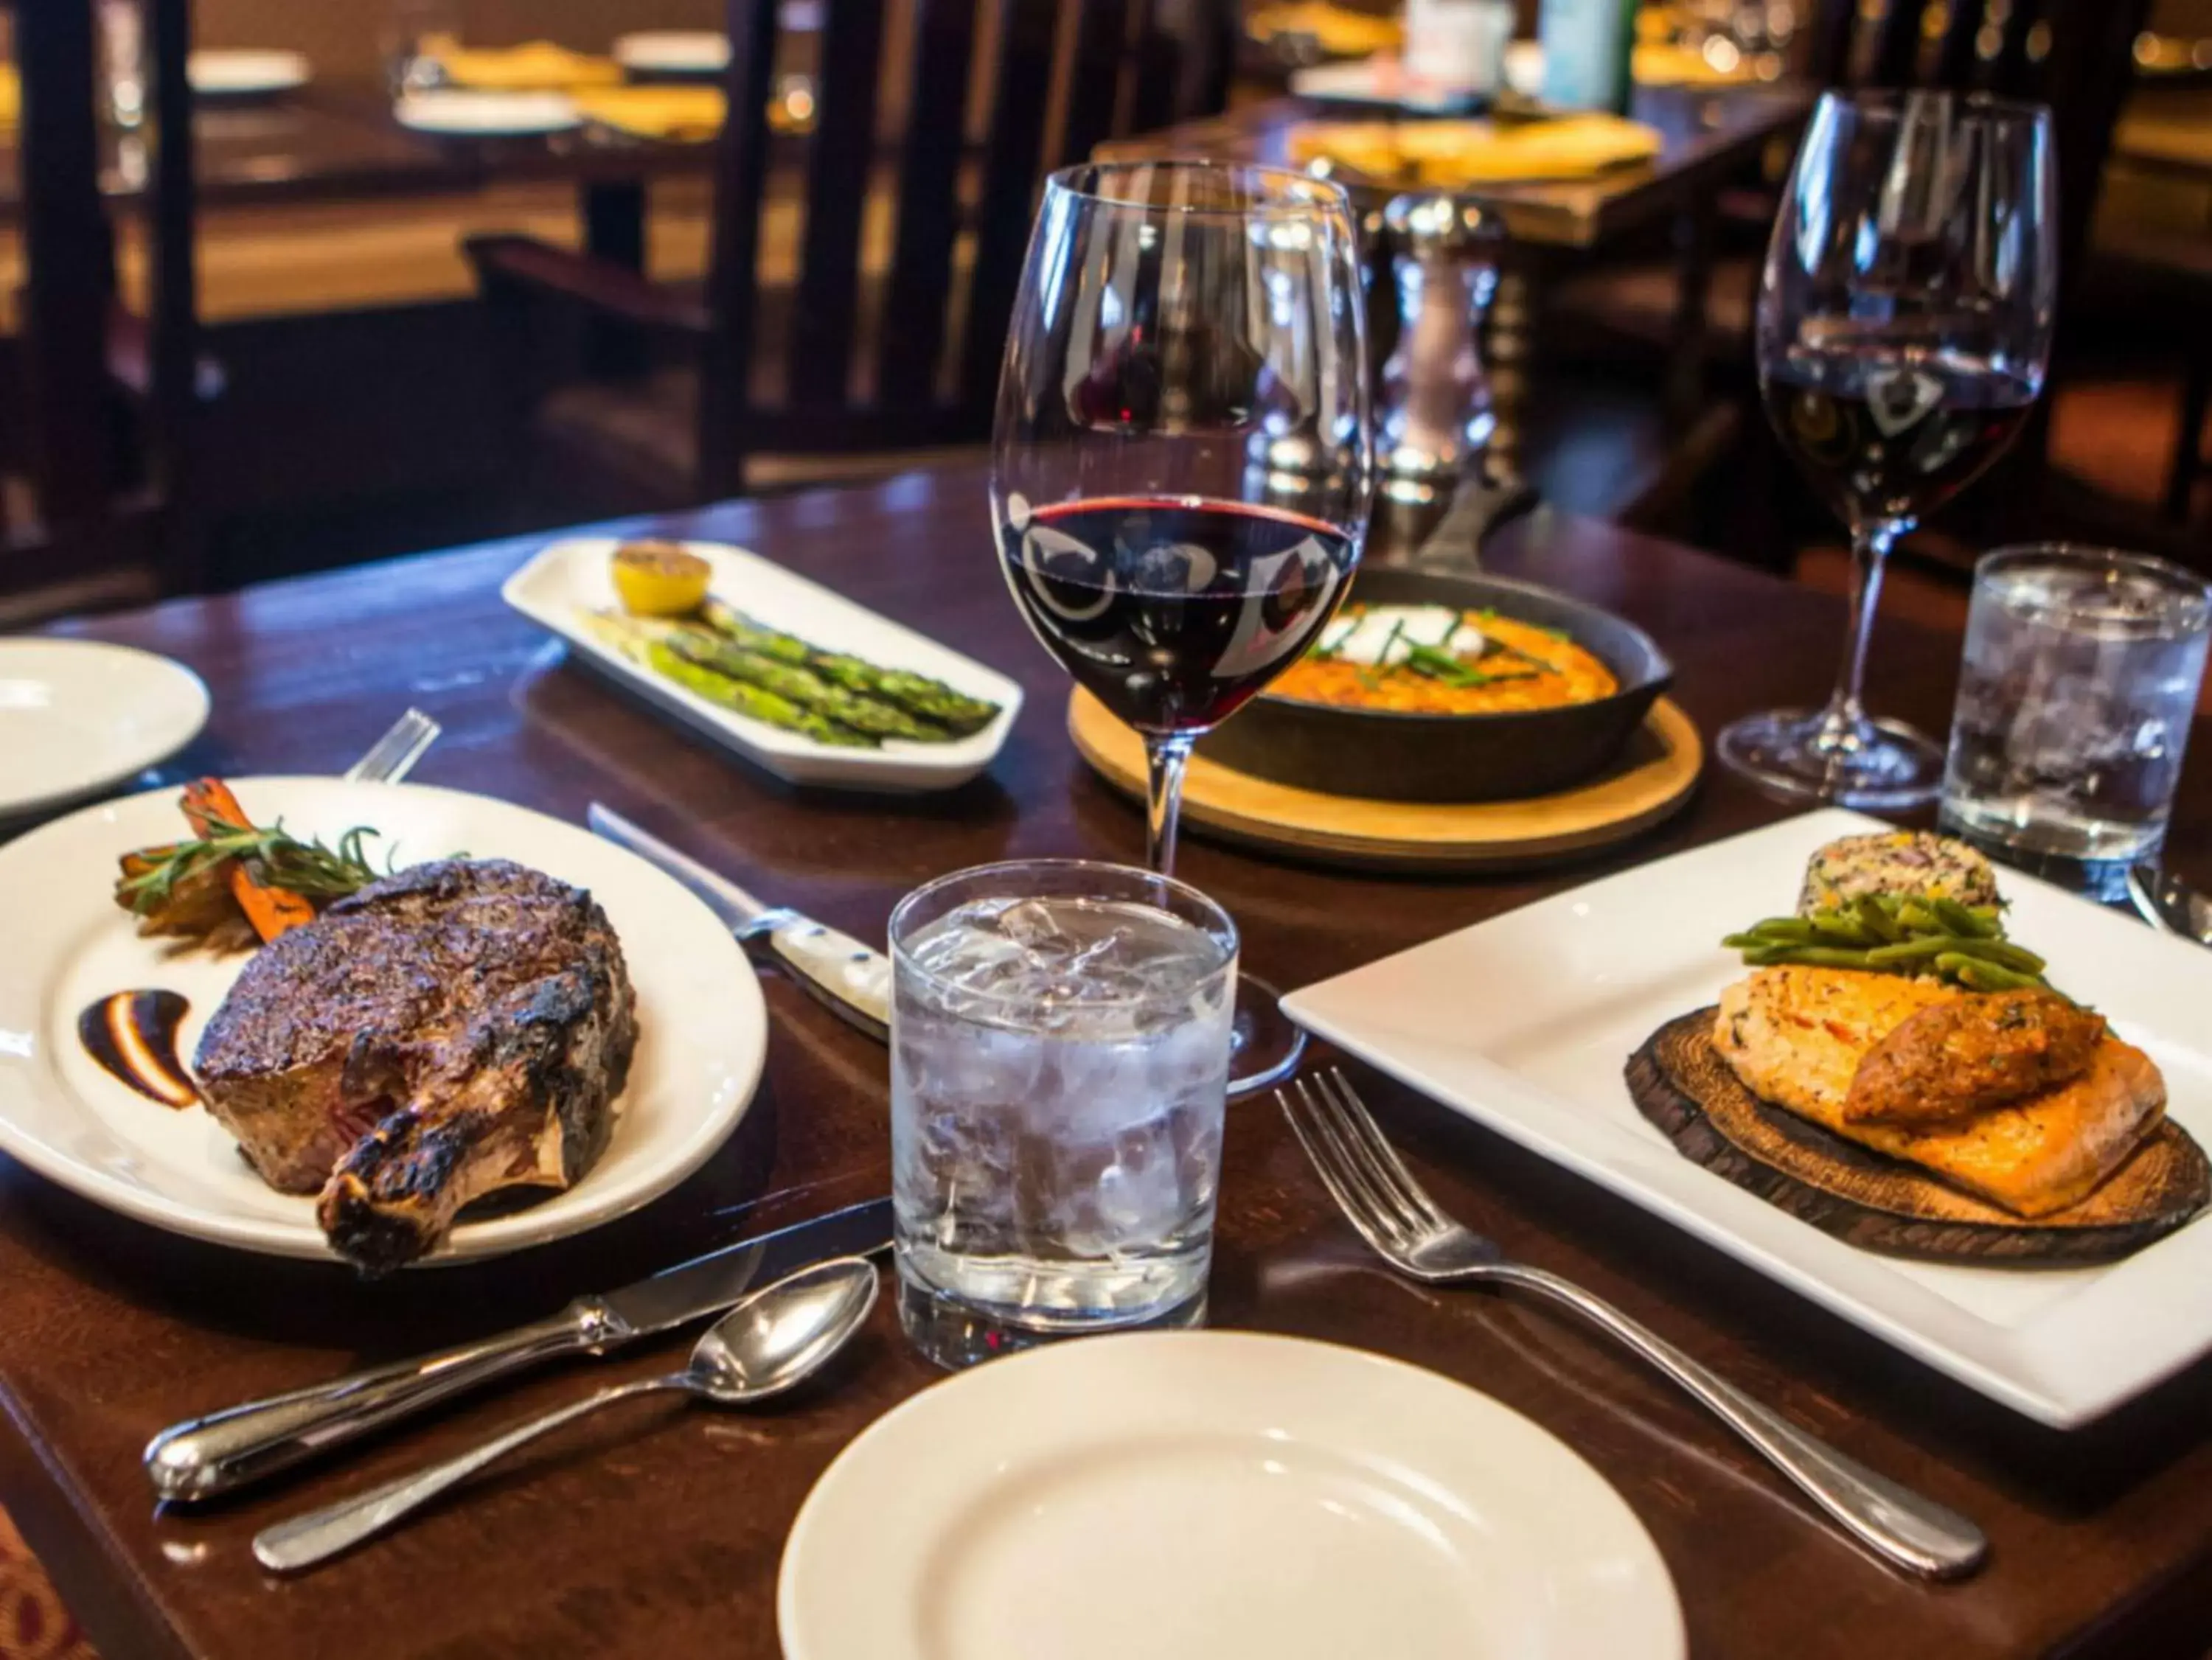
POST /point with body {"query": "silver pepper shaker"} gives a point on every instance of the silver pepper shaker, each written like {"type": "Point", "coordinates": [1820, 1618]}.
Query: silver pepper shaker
{"type": "Point", "coordinates": [1433, 414]}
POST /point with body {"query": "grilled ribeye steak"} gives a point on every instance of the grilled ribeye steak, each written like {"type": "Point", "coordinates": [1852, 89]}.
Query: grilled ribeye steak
{"type": "Point", "coordinates": [461, 1026]}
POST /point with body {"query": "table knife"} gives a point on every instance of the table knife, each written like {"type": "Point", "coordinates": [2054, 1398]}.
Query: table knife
{"type": "Point", "coordinates": [226, 1450]}
{"type": "Point", "coordinates": [853, 981]}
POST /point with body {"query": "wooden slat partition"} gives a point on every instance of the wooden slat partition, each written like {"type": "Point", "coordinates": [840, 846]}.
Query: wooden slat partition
{"type": "Point", "coordinates": [1023, 86]}
{"type": "Point", "coordinates": [1155, 71]}
{"type": "Point", "coordinates": [71, 272]}
{"type": "Point", "coordinates": [913, 328]}
{"type": "Point", "coordinates": [1896, 59]}
{"type": "Point", "coordinates": [1835, 28]}
{"type": "Point", "coordinates": [1095, 75]}
{"type": "Point", "coordinates": [740, 177]}
{"type": "Point", "coordinates": [2014, 73]}
{"type": "Point", "coordinates": [1955, 54]}
{"type": "Point", "coordinates": [837, 188]}
{"type": "Point", "coordinates": [995, 87]}
{"type": "Point", "coordinates": [173, 293]}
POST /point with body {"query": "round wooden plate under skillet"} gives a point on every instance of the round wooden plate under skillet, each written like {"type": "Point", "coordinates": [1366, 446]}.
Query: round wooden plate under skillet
{"type": "Point", "coordinates": [1650, 781]}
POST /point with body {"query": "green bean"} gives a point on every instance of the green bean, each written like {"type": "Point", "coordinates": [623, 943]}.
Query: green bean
{"type": "Point", "coordinates": [1912, 950]}
{"type": "Point", "coordinates": [1878, 919]}
{"type": "Point", "coordinates": [1793, 930]}
{"type": "Point", "coordinates": [1761, 938]}
{"type": "Point", "coordinates": [1962, 919]}
{"type": "Point", "coordinates": [1834, 926]}
{"type": "Point", "coordinates": [1810, 956]}
{"type": "Point", "coordinates": [1918, 918]}
{"type": "Point", "coordinates": [2005, 955]}
{"type": "Point", "coordinates": [1983, 976]}
{"type": "Point", "coordinates": [2002, 953]}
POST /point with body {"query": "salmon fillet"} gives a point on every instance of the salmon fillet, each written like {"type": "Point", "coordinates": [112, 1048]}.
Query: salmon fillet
{"type": "Point", "coordinates": [1971, 1054]}
{"type": "Point", "coordinates": [1796, 1036]}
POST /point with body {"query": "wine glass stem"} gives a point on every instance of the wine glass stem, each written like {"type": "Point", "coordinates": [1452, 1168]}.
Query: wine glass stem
{"type": "Point", "coordinates": [1844, 720]}
{"type": "Point", "coordinates": [1165, 758]}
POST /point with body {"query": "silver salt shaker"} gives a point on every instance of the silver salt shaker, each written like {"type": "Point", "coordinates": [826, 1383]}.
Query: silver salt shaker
{"type": "Point", "coordinates": [1433, 414]}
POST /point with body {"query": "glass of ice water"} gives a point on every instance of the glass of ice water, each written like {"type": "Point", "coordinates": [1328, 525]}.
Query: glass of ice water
{"type": "Point", "coordinates": [1059, 1061]}
{"type": "Point", "coordinates": [2074, 701]}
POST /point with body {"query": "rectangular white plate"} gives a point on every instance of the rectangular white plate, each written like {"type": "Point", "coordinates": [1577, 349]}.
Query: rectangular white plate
{"type": "Point", "coordinates": [569, 578]}
{"type": "Point", "coordinates": [1525, 1022]}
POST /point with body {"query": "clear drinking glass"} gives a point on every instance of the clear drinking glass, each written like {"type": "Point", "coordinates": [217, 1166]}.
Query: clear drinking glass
{"type": "Point", "coordinates": [2075, 697]}
{"type": "Point", "coordinates": [1059, 1059]}
{"type": "Point", "coordinates": [1904, 320]}
{"type": "Point", "coordinates": [408, 38]}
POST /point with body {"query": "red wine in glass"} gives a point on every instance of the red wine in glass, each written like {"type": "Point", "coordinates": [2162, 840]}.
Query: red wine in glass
{"type": "Point", "coordinates": [1174, 611]}
{"type": "Point", "coordinates": [1889, 433]}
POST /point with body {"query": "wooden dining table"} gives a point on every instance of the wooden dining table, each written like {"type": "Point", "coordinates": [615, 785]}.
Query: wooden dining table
{"type": "Point", "coordinates": [656, 1532]}
{"type": "Point", "coordinates": [337, 141]}
{"type": "Point", "coordinates": [1707, 136]}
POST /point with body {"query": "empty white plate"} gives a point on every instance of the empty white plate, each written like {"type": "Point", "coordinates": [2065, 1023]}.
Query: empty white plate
{"type": "Point", "coordinates": [674, 51]}
{"type": "Point", "coordinates": [702, 1027]}
{"type": "Point", "coordinates": [77, 717]}
{"type": "Point", "coordinates": [1200, 1495]}
{"type": "Point", "coordinates": [488, 114]}
{"type": "Point", "coordinates": [245, 73]}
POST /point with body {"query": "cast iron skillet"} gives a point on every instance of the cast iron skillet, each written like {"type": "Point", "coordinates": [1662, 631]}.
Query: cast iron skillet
{"type": "Point", "coordinates": [1389, 755]}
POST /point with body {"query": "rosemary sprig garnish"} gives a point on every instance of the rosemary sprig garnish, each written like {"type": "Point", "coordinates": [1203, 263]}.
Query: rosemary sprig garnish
{"type": "Point", "coordinates": [280, 860]}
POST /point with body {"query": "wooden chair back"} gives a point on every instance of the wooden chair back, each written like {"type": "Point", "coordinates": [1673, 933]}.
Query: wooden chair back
{"type": "Point", "coordinates": [103, 479]}
{"type": "Point", "coordinates": [995, 93]}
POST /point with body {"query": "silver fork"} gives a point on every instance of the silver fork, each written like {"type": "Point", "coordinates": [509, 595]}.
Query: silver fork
{"type": "Point", "coordinates": [392, 756]}
{"type": "Point", "coordinates": [1372, 1186]}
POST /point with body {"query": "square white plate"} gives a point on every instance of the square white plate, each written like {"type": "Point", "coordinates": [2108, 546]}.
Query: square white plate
{"type": "Point", "coordinates": [1525, 1022]}
{"type": "Point", "coordinates": [572, 577]}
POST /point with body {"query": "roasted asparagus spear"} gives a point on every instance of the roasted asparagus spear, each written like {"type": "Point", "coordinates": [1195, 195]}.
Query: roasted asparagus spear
{"type": "Point", "coordinates": [637, 641]}
{"type": "Point", "coordinates": [918, 694]}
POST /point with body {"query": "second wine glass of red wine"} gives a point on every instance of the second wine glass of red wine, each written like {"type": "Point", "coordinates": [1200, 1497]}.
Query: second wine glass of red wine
{"type": "Point", "coordinates": [1904, 327]}
{"type": "Point", "coordinates": [1182, 465]}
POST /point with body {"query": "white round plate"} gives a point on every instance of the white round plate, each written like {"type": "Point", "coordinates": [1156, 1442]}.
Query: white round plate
{"type": "Point", "coordinates": [491, 114]}
{"type": "Point", "coordinates": [78, 716]}
{"type": "Point", "coordinates": [245, 74]}
{"type": "Point", "coordinates": [674, 51]}
{"type": "Point", "coordinates": [702, 1028]}
{"type": "Point", "coordinates": [1194, 1495]}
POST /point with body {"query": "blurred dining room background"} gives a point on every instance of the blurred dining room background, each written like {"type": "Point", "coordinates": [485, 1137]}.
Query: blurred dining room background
{"type": "Point", "coordinates": [337, 339]}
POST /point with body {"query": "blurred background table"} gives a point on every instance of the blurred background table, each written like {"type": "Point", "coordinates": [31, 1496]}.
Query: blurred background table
{"type": "Point", "coordinates": [1558, 429]}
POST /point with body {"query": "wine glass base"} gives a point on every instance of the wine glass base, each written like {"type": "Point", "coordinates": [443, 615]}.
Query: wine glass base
{"type": "Point", "coordinates": [1265, 1044]}
{"type": "Point", "coordinates": [1790, 754]}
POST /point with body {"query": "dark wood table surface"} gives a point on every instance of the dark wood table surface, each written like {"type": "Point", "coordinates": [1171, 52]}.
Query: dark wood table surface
{"type": "Point", "coordinates": [1707, 136]}
{"type": "Point", "coordinates": [657, 1531]}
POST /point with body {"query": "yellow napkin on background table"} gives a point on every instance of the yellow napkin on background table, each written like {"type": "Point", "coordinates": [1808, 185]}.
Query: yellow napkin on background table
{"type": "Point", "coordinates": [534, 66]}
{"type": "Point", "coordinates": [1337, 30]}
{"type": "Point", "coordinates": [1449, 154]}
{"type": "Point", "coordinates": [679, 114]}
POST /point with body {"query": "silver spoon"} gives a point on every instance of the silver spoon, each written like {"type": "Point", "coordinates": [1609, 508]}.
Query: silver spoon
{"type": "Point", "coordinates": [766, 1344]}
{"type": "Point", "coordinates": [2169, 903]}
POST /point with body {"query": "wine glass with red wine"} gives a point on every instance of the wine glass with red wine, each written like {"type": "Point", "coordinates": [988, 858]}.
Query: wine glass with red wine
{"type": "Point", "coordinates": [1904, 322]}
{"type": "Point", "coordinates": [1181, 466]}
